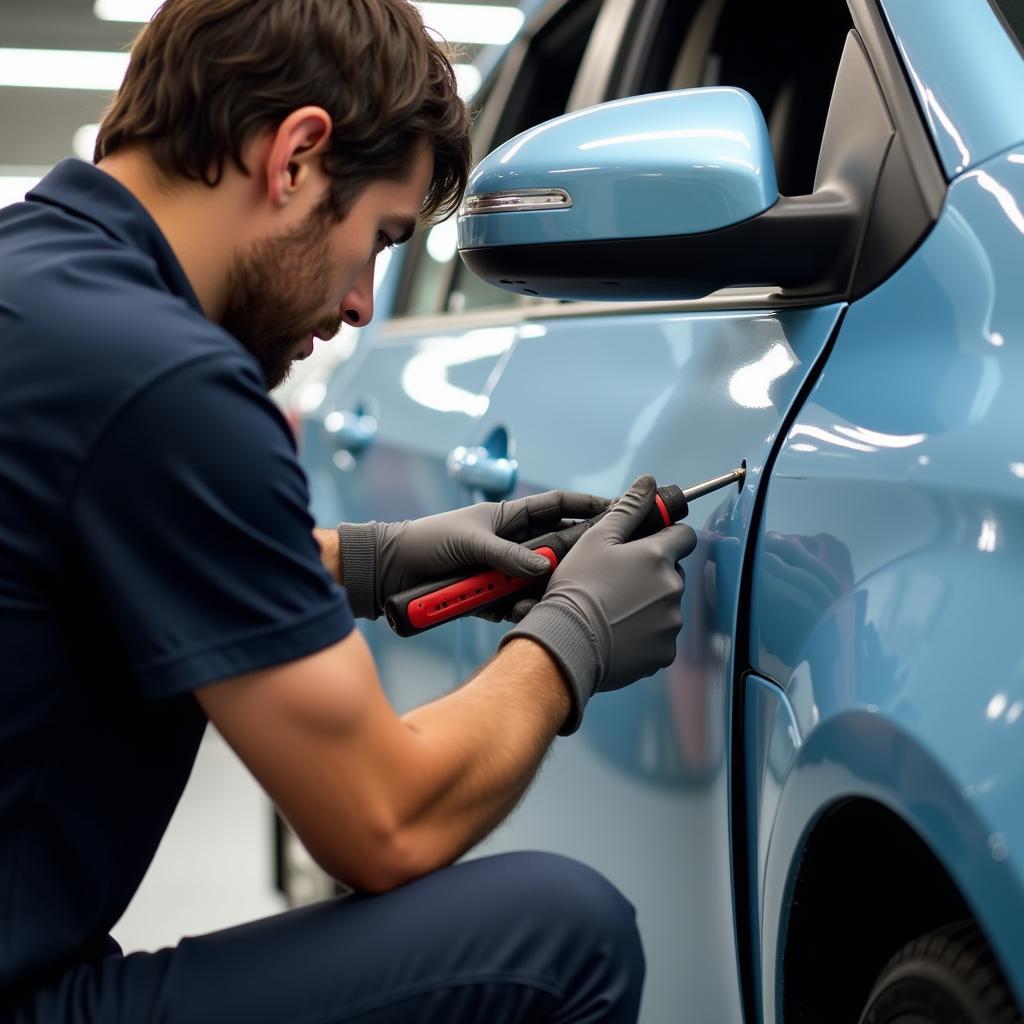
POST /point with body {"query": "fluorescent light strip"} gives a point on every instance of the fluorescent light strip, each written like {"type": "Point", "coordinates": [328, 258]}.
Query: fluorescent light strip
{"type": "Point", "coordinates": [125, 10]}
{"type": "Point", "coordinates": [472, 23]}
{"type": "Point", "coordinates": [456, 23]}
{"type": "Point", "coordinates": [90, 69]}
{"type": "Point", "coordinates": [62, 69]}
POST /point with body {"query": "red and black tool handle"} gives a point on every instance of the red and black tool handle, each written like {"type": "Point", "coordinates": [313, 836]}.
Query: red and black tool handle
{"type": "Point", "coordinates": [438, 601]}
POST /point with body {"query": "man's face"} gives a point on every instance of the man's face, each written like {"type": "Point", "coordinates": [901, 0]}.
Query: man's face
{"type": "Point", "coordinates": [303, 284]}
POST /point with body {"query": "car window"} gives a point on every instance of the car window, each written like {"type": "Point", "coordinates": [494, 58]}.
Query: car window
{"type": "Point", "coordinates": [784, 55]}
{"type": "Point", "coordinates": [1012, 12]}
{"type": "Point", "coordinates": [435, 280]}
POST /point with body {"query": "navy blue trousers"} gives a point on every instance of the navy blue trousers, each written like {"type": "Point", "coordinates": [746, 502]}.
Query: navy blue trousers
{"type": "Point", "coordinates": [517, 937]}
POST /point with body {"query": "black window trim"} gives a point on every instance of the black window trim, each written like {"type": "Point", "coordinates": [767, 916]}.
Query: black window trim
{"type": "Point", "coordinates": [1017, 40]}
{"type": "Point", "coordinates": [901, 99]}
{"type": "Point", "coordinates": [608, 43]}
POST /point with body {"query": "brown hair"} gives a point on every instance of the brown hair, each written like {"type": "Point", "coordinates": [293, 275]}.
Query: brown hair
{"type": "Point", "coordinates": [206, 76]}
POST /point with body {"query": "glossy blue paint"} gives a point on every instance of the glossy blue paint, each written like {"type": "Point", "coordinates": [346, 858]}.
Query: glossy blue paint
{"type": "Point", "coordinates": [668, 163]}
{"type": "Point", "coordinates": [887, 581]}
{"type": "Point", "coordinates": [772, 740]}
{"type": "Point", "coordinates": [968, 75]}
{"type": "Point", "coordinates": [685, 397]}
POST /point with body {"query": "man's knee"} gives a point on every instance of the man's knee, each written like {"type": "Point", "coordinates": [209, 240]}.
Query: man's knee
{"type": "Point", "coordinates": [583, 900]}
{"type": "Point", "coordinates": [587, 927]}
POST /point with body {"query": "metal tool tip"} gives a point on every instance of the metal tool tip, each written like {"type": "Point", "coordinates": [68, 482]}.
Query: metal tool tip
{"type": "Point", "coordinates": [735, 476]}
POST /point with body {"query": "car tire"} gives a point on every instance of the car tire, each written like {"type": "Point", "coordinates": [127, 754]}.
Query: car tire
{"type": "Point", "coordinates": [948, 976]}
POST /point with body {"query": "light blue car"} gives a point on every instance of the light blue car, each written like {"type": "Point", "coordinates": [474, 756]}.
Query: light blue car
{"type": "Point", "coordinates": [794, 238]}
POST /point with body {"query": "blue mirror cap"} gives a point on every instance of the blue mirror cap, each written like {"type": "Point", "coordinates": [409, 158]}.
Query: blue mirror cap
{"type": "Point", "coordinates": [671, 163]}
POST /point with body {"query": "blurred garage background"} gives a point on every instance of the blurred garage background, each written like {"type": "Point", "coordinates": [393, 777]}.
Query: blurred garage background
{"type": "Point", "coordinates": [60, 62]}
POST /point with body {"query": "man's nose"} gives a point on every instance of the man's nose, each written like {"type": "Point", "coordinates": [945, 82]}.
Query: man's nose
{"type": "Point", "coordinates": [357, 306]}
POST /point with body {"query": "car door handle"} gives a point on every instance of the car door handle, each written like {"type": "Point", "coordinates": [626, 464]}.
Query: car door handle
{"type": "Point", "coordinates": [350, 430]}
{"type": "Point", "coordinates": [477, 469]}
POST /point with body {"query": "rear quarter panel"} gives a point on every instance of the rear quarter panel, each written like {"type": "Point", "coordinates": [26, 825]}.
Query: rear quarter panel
{"type": "Point", "coordinates": [888, 585]}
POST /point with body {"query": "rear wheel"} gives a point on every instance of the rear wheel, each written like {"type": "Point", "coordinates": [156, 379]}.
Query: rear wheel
{"type": "Point", "coordinates": [949, 976]}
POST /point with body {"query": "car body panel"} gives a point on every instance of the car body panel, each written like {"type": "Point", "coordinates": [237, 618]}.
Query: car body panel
{"type": "Point", "coordinates": [886, 587]}
{"type": "Point", "coordinates": [634, 168]}
{"type": "Point", "coordinates": [967, 73]}
{"type": "Point", "coordinates": [654, 758]}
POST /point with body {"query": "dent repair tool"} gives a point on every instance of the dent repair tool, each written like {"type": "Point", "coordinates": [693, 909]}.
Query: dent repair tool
{"type": "Point", "coordinates": [438, 601]}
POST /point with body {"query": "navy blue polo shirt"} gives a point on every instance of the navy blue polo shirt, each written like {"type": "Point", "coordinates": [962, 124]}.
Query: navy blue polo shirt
{"type": "Point", "coordinates": [155, 536]}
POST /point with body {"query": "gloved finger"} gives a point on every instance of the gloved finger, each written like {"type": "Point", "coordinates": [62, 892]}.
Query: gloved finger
{"type": "Point", "coordinates": [575, 505]}
{"type": "Point", "coordinates": [507, 611]}
{"type": "Point", "coordinates": [492, 613]}
{"type": "Point", "coordinates": [562, 524]}
{"type": "Point", "coordinates": [537, 513]}
{"type": "Point", "coordinates": [522, 608]}
{"type": "Point", "coordinates": [629, 511]}
{"type": "Point", "coordinates": [514, 607]}
{"type": "Point", "coordinates": [674, 542]}
{"type": "Point", "coordinates": [508, 556]}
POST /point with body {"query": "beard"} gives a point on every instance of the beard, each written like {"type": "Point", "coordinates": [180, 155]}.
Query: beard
{"type": "Point", "coordinates": [277, 292]}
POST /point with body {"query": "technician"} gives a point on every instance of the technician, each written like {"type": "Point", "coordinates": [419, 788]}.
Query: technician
{"type": "Point", "coordinates": [159, 567]}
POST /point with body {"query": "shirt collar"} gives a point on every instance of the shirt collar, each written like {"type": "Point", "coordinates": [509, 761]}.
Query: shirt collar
{"type": "Point", "coordinates": [86, 191]}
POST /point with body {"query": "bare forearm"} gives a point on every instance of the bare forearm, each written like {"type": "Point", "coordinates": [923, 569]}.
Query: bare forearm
{"type": "Point", "coordinates": [480, 747]}
{"type": "Point", "coordinates": [330, 552]}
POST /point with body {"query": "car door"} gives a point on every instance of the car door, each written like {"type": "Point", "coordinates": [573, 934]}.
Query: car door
{"type": "Point", "coordinates": [591, 395]}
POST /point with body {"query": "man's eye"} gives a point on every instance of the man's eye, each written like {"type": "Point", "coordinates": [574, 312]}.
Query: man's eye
{"type": "Point", "coordinates": [384, 241]}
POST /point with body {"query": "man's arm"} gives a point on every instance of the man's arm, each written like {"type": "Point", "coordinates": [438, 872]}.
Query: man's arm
{"type": "Point", "coordinates": [330, 552]}
{"type": "Point", "coordinates": [380, 799]}
{"type": "Point", "coordinates": [387, 558]}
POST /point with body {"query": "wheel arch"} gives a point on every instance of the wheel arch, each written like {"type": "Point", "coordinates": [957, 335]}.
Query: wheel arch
{"type": "Point", "coordinates": [873, 840]}
{"type": "Point", "coordinates": [878, 895]}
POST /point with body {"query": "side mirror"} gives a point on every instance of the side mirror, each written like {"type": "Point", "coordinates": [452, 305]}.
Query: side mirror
{"type": "Point", "coordinates": [666, 196]}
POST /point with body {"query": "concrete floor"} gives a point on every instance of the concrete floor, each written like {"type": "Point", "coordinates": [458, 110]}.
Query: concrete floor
{"type": "Point", "coordinates": [215, 866]}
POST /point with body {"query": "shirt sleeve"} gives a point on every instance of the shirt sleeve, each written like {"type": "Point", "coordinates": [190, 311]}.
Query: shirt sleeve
{"type": "Point", "coordinates": [192, 518]}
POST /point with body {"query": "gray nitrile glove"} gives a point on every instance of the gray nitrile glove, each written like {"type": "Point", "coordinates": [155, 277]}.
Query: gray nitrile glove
{"type": "Point", "coordinates": [381, 559]}
{"type": "Point", "coordinates": [611, 613]}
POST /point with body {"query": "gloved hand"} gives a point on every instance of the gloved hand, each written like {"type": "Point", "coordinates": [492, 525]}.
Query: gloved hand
{"type": "Point", "coordinates": [381, 559]}
{"type": "Point", "coordinates": [611, 612]}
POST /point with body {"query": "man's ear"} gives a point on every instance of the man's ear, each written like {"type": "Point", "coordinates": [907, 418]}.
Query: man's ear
{"type": "Point", "coordinates": [293, 158]}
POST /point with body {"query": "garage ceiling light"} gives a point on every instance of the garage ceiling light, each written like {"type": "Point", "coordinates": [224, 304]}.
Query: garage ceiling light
{"type": "Point", "coordinates": [472, 23]}
{"type": "Point", "coordinates": [93, 69]}
{"type": "Point", "coordinates": [457, 23]}
{"type": "Point", "coordinates": [62, 69]}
